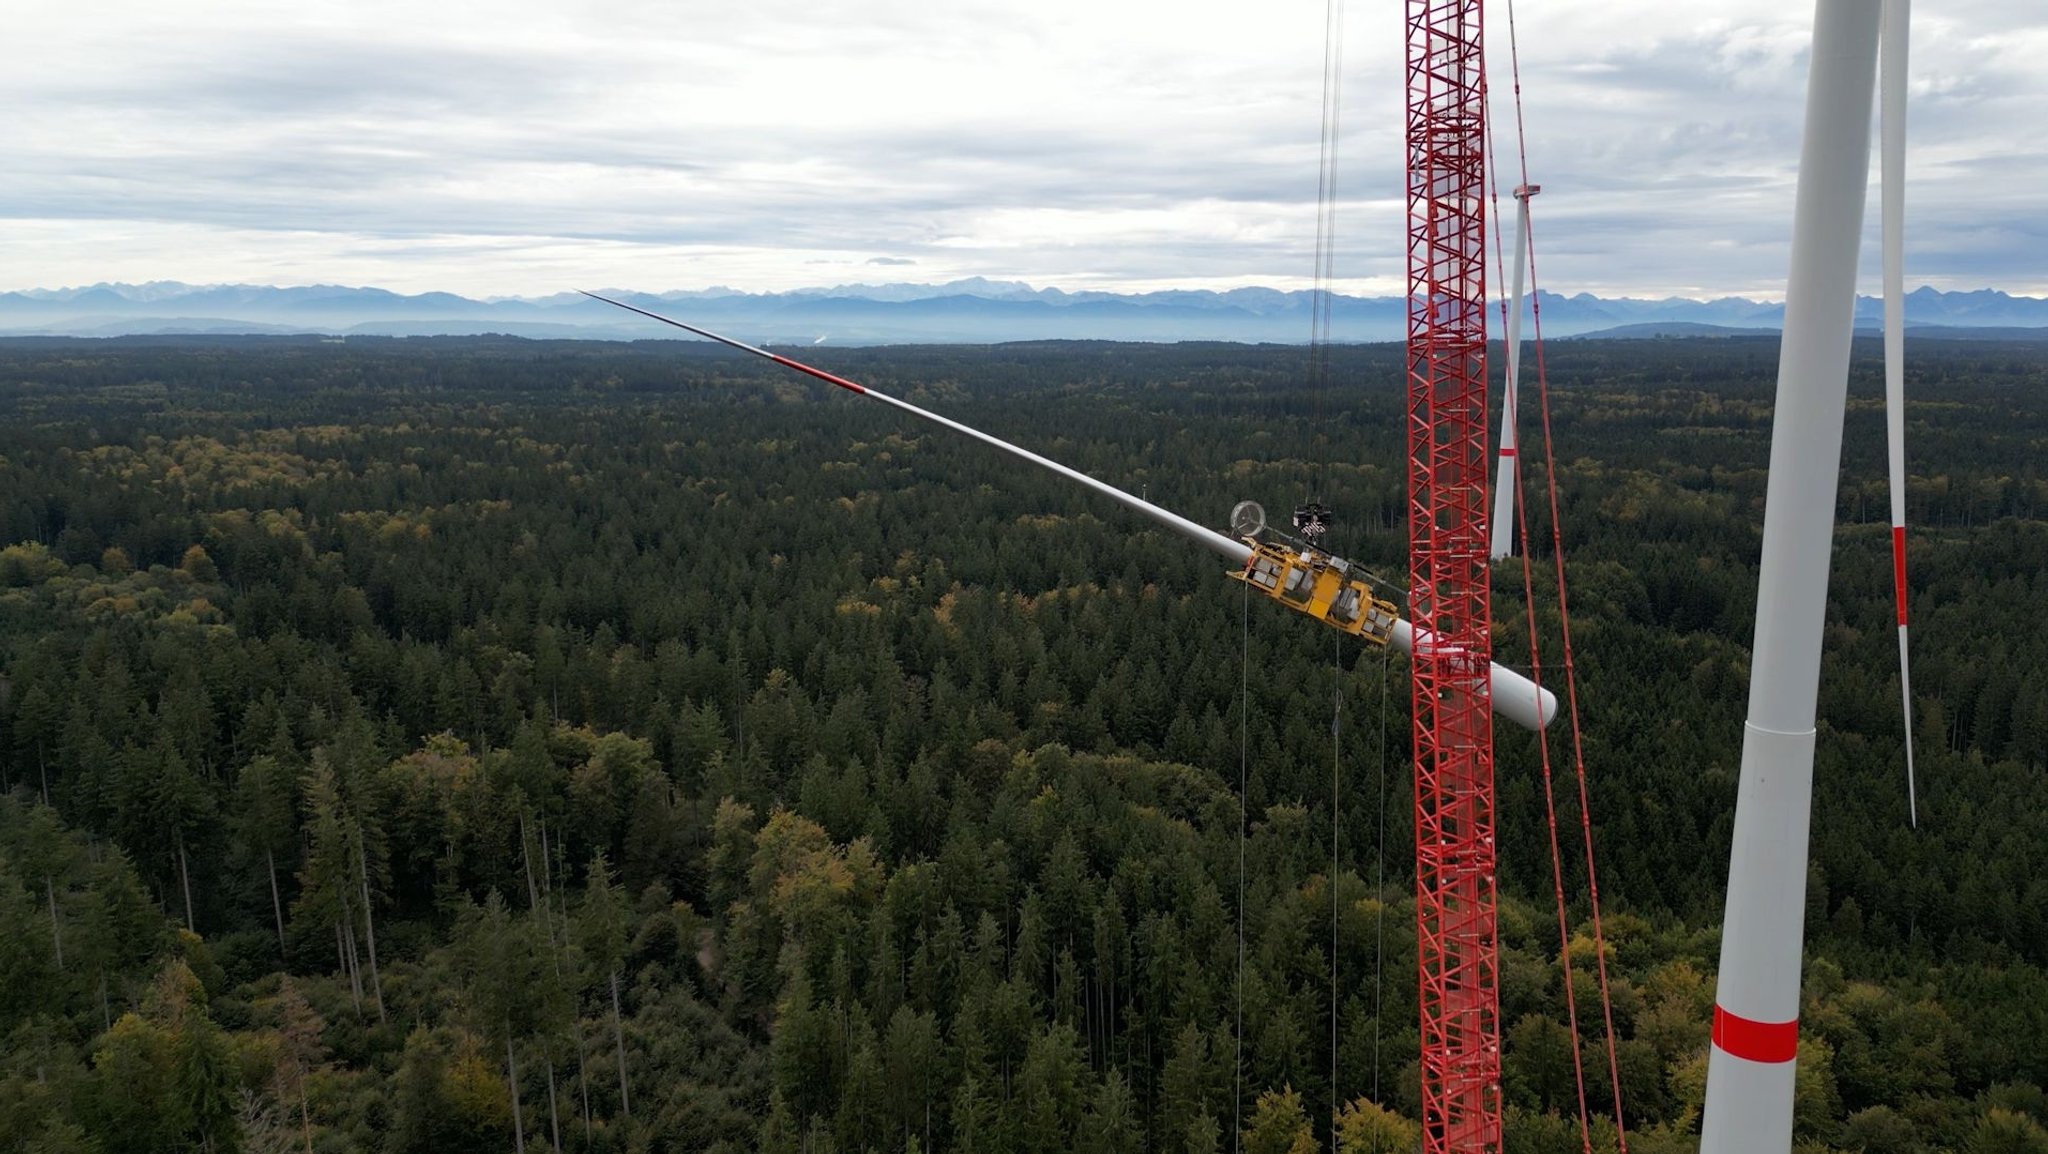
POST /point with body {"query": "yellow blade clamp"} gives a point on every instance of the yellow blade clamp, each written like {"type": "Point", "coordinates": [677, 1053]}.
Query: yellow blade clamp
{"type": "Point", "coordinates": [1329, 589]}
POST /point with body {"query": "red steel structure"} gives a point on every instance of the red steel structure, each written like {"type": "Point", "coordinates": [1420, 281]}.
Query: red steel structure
{"type": "Point", "coordinates": [1447, 578]}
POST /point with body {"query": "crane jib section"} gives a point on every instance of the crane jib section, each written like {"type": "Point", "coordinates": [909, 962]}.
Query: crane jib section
{"type": "Point", "coordinates": [1457, 947]}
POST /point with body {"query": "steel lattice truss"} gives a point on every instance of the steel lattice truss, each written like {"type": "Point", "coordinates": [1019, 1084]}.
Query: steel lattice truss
{"type": "Point", "coordinates": [1448, 572]}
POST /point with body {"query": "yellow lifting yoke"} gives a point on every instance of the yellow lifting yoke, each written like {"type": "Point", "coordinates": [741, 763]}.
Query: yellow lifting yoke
{"type": "Point", "coordinates": [1321, 586]}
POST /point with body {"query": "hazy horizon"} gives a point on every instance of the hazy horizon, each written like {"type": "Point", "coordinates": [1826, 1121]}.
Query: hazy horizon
{"type": "Point", "coordinates": [1018, 286]}
{"type": "Point", "coordinates": [519, 148]}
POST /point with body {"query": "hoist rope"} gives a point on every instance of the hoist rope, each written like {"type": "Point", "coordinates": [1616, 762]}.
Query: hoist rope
{"type": "Point", "coordinates": [1563, 614]}
{"type": "Point", "coordinates": [1336, 836]}
{"type": "Point", "coordinates": [1379, 878]}
{"type": "Point", "coordinates": [1319, 379]}
{"type": "Point", "coordinates": [1316, 459]}
{"type": "Point", "coordinates": [1244, 723]}
{"type": "Point", "coordinates": [1564, 932]}
{"type": "Point", "coordinates": [1577, 732]}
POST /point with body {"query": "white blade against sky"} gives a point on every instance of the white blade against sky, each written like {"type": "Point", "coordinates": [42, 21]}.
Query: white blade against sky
{"type": "Point", "coordinates": [1892, 57]}
{"type": "Point", "coordinates": [1510, 466]}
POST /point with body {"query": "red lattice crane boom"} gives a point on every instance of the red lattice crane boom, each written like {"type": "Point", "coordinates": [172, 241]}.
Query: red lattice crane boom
{"type": "Point", "coordinates": [1458, 951]}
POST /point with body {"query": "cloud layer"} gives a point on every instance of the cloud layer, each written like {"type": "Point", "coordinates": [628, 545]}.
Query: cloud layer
{"type": "Point", "coordinates": [520, 147]}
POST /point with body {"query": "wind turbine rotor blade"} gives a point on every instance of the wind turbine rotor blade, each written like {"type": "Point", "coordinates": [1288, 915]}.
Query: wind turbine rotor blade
{"type": "Point", "coordinates": [1512, 695]}
{"type": "Point", "coordinates": [1892, 182]}
{"type": "Point", "coordinates": [1504, 477]}
{"type": "Point", "coordinates": [1230, 547]}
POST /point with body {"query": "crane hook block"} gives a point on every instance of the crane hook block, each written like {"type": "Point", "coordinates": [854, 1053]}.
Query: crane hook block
{"type": "Point", "coordinates": [1320, 585]}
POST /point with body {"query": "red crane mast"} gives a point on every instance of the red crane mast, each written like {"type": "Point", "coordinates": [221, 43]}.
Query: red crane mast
{"type": "Point", "coordinates": [1457, 945]}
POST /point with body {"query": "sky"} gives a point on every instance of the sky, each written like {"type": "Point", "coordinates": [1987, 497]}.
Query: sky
{"type": "Point", "coordinates": [527, 147]}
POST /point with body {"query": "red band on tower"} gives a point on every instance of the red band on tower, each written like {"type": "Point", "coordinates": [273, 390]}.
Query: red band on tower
{"type": "Point", "coordinates": [1755, 1041]}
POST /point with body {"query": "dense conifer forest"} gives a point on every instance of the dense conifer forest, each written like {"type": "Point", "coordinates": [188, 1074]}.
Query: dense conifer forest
{"type": "Point", "coordinates": [483, 745]}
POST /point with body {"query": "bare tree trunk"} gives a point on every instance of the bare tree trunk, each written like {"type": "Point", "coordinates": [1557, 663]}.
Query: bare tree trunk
{"type": "Point", "coordinates": [547, 859]}
{"type": "Point", "coordinates": [345, 934]}
{"type": "Point", "coordinates": [56, 931]}
{"type": "Point", "coordinates": [576, 1026]}
{"type": "Point", "coordinates": [185, 877]}
{"type": "Point", "coordinates": [355, 957]}
{"type": "Point", "coordinates": [512, 1077]}
{"type": "Point", "coordinates": [619, 1039]}
{"type": "Point", "coordinates": [355, 964]}
{"type": "Point", "coordinates": [554, 1115]}
{"type": "Point", "coordinates": [582, 1077]}
{"type": "Point", "coordinates": [106, 1013]}
{"type": "Point", "coordinates": [305, 1116]}
{"type": "Point", "coordinates": [276, 902]}
{"type": "Point", "coordinates": [526, 859]}
{"type": "Point", "coordinates": [370, 925]}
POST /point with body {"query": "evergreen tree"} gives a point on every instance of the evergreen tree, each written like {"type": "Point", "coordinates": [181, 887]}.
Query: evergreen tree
{"type": "Point", "coordinates": [602, 935]}
{"type": "Point", "coordinates": [300, 1053]}
{"type": "Point", "coordinates": [265, 812]}
{"type": "Point", "coordinates": [1278, 1125]}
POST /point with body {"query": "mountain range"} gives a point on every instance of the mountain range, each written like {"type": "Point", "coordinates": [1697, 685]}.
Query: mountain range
{"type": "Point", "coordinates": [963, 311]}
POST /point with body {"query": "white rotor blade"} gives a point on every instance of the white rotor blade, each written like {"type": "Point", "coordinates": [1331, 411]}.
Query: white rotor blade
{"type": "Point", "coordinates": [1504, 478]}
{"type": "Point", "coordinates": [1892, 182]}
{"type": "Point", "coordinates": [1512, 695]}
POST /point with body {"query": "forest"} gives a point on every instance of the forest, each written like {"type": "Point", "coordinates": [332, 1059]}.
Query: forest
{"type": "Point", "coordinates": [446, 745]}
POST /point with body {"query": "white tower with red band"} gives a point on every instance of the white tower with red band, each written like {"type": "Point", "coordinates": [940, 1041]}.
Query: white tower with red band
{"type": "Point", "coordinates": [1504, 477]}
{"type": "Point", "coordinates": [1750, 1067]}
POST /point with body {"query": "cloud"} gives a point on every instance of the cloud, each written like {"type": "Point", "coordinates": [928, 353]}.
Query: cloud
{"type": "Point", "coordinates": [520, 146]}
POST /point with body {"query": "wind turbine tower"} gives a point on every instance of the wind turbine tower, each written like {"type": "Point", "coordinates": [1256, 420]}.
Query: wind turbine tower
{"type": "Point", "coordinates": [1504, 477]}
{"type": "Point", "coordinates": [1751, 1065]}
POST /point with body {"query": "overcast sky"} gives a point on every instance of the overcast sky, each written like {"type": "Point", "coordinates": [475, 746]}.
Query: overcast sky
{"type": "Point", "coordinates": [519, 147]}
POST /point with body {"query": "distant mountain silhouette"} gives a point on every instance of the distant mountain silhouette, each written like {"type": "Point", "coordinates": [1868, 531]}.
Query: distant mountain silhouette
{"type": "Point", "coordinates": [967, 311]}
{"type": "Point", "coordinates": [1667, 329]}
